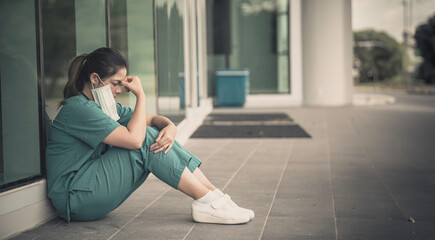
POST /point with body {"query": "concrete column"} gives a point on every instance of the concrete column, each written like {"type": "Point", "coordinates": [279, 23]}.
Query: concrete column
{"type": "Point", "coordinates": [327, 52]}
{"type": "Point", "coordinates": [202, 47]}
{"type": "Point", "coordinates": [193, 53]}
{"type": "Point", "coordinates": [295, 51]}
{"type": "Point", "coordinates": [190, 56]}
{"type": "Point", "coordinates": [187, 53]}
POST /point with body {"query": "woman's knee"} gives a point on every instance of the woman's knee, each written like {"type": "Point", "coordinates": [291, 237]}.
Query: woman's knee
{"type": "Point", "coordinates": [150, 137]}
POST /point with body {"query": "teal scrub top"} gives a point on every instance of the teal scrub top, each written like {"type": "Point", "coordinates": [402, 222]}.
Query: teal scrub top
{"type": "Point", "coordinates": [75, 140]}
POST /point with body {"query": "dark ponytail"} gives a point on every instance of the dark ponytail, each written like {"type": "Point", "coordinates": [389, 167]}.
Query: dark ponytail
{"type": "Point", "coordinates": [106, 62]}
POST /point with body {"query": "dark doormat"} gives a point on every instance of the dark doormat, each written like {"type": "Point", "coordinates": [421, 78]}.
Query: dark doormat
{"type": "Point", "coordinates": [249, 117]}
{"type": "Point", "coordinates": [249, 126]}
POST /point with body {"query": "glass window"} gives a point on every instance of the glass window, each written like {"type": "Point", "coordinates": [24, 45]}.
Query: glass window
{"type": "Point", "coordinates": [70, 28]}
{"type": "Point", "coordinates": [19, 114]}
{"type": "Point", "coordinates": [132, 33]}
{"type": "Point", "coordinates": [250, 34]}
{"type": "Point", "coordinates": [170, 58]}
{"type": "Point", "coordinates": [90, 27]}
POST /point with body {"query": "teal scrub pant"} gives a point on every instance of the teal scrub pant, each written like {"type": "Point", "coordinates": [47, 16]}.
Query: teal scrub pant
{"type": "Point", "coordinates": [121, 171]}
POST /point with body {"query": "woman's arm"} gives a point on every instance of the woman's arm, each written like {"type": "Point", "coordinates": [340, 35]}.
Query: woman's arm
{"type": "Point", "coordinates": [168, 132]}
{"type": "Point", "coordinates": [132, 136]}
{"type": "Point", "coordinates": [158, 121]}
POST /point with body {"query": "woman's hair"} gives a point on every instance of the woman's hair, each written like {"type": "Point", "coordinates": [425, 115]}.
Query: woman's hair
{"type": "Point", "coordinates": [104, 61]}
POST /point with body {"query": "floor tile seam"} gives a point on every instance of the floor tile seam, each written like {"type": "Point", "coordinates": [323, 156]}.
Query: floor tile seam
{"type": "Point", "coordinates": [217, 150]}
{"type": "Point", "coordinates": [139, 213]}
{"type": "Point", "coordinates": [375, 218]}
{"type": "Point", "coordinates": [370, 219]}
{"type": "Point", "coordinates": [280, 180]}
{"type": "Point", "coordinates": [276, 191]}
{"type": "Point", "coordinates": [361, 145]}
{"type": "Point", "coordinates": [243, 164]}
{"type": "Point", "coordinates": [328, 155]}
{"type": "Point", "coordinates": [232, 177]}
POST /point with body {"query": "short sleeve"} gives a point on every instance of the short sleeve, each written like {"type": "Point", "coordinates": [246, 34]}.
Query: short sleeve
{"type": "Point", "coordinates": [124, 113]}
{"type": "Point", "coordinates": [89, 123]}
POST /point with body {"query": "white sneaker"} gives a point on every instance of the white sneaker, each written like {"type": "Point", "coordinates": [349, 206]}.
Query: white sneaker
{"type": "Point", "coordinates": [218, 211]}
{"type": "Point", "coordinates": [245, 211]}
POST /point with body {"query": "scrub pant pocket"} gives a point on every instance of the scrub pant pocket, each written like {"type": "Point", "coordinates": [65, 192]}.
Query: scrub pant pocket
{"type": "Point", "coordinates": [122, 171]}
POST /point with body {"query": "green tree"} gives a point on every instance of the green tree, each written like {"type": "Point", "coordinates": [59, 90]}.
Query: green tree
{"type": "Point", "coordinates": [425, 43]}
{"type": "Point", "coordinates": [377, 56]}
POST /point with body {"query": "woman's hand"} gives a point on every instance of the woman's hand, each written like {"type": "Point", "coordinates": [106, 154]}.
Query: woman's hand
{"type": "Point", "coordinates": [132, 83]}
{"type": "Point", "coordinates": [165, 139]}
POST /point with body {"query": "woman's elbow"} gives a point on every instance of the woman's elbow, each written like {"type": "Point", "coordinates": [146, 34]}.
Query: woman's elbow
{"type": "Point", "coordinates": [138, 143]}
{"type": "Point", "coordinates": [136, 147]}
{"type": "Point", "coordinates": [133, 146]}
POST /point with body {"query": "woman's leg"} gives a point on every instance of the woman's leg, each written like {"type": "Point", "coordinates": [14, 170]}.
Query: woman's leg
{"type": "Point", "coordinates": [196, 171]}
{"type": "Point", "coordinates": [203, 179]}
{"type": "Point", "coordinates": [179, 169]}
{"type": "Point", "coordinates": [191, 186]}
{"type": "Point", "coordinates": [119, 173]}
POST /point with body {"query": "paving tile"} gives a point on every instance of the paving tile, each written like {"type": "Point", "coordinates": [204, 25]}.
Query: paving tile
{"type": "Point", "coordinates": [419, 210]}
{"type": "Point", "coordinates": [364, 208]}
{"type": "Point", "coordinates": [162, 226]}
{"type": "Point", "coordinates": [299, 228]}
{"type": "Point", "coordinates": [350, 163]}
{"type": "Point", "coordinates": [393, 163]}
{"type": "Point", "coordinates": [355, 178]}
{"type": "Point", "coordinates": [300, 190]}
{"type": "Point", "coordinates": [306, 178]}
{"type": "Point", "coordinates": [59, 229]}
{"type": "Point", "coordinates": [168, 218]}
{"type": "Point", "coordinates": [344, 150]}
{"type": "Point", "coordinates": [369, 229]}
{"type": "Point", "coordinates": [302, 207]}
{"type": "Point", "coordinates": [247, 231]}
{"type": "Point", "coordinates": [400, 178]}
{"type": "Point", "coordinates": [411, 192]}
{"type": "Point", "coordinates": [311, 167]}
{"type": "Point", "coordinates": [345, 156]}
{"type": "Point", "coordinates": [425, 230]}
{"type": "Point", "coordinates": [370, 192]}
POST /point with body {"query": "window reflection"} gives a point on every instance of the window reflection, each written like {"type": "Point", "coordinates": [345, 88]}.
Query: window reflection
{"type": "Point", "coordinates": [132, 33]}
{"type": "Point", "coordinates": [20, 149]}
{"type": "Point", "coordinates": [170, 57]}
{"type": "Point", "coordinates": [70, 28]}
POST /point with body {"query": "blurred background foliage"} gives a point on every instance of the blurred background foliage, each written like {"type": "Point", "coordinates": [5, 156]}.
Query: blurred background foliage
{"type": "Point", "coordinates": [425, 47]}
{"type": "Point", "coordinates": [377, 56]}
{"type": "Point", "coordinates": [381, 60]}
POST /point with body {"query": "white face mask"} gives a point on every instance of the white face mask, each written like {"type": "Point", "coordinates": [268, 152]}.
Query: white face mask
{"type": "Point", "coordinates": [103, 96]}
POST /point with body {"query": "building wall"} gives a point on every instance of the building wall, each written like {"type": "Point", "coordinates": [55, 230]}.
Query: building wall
{"type": "Point", "coordinates": [327, 52]}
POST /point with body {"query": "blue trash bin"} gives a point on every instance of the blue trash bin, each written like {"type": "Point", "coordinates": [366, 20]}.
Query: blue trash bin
{"type": "Point", "coordinates": [232, 87]}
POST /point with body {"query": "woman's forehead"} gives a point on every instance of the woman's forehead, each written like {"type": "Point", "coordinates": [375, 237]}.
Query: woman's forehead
{"type": "Point", "coordinates": [120, 74]}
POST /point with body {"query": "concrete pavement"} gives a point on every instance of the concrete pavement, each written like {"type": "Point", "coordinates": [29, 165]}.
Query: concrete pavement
{"type": "Point", "coordinates": [363, 174]}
